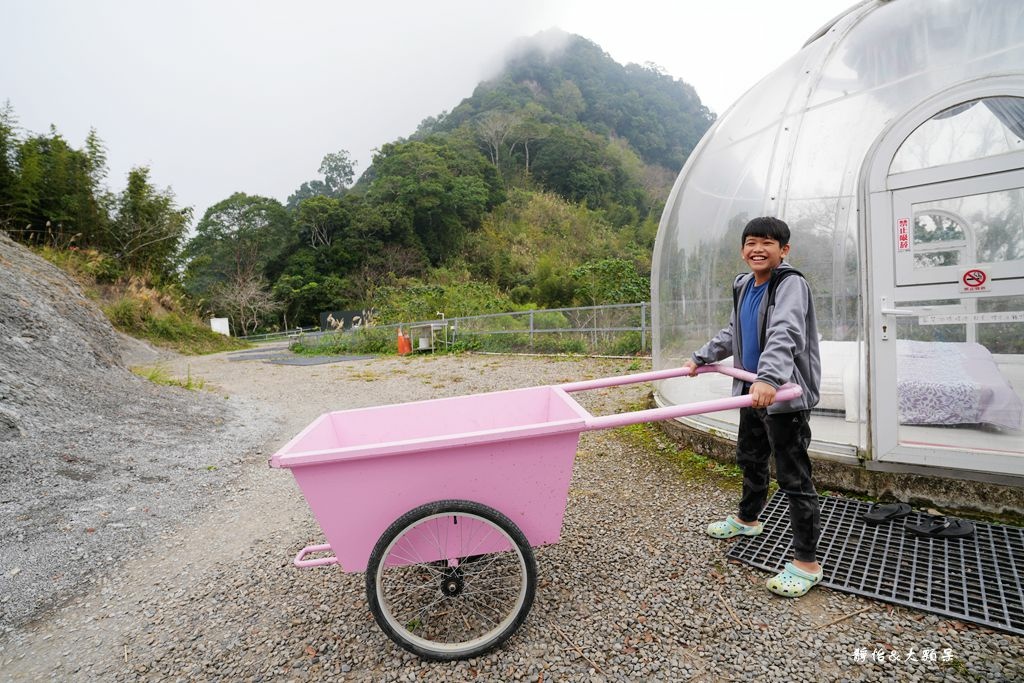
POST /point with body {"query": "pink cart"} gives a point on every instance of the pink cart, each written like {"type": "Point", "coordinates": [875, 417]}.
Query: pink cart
{"type": "Point", "coordinates": [440, 502]}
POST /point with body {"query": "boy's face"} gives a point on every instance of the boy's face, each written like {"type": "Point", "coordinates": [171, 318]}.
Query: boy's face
{"type": "Point", "coordinates": [762, 254]}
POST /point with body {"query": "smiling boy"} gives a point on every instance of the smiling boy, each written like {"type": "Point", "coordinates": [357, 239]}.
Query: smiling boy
{"type": "Point", "coordinates": [773, 333]}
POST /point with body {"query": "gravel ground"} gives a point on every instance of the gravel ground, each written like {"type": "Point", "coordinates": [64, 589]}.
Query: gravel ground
{"type": "Point", "coordinates": [634, 590]}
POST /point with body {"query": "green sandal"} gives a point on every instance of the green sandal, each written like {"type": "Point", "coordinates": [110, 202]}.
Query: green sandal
{"type": "Point", "coordinates": [793, 582]}
{"type": "Point", "coordinates": [731, 527]}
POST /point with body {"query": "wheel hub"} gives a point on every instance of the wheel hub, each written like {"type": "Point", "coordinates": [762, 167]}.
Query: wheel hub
{"type": "Point", "coordinates": [452, 583]}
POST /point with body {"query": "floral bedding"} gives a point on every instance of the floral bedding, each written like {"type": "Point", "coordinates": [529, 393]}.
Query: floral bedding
{"type": "Point", "coordinates": [943, 383]}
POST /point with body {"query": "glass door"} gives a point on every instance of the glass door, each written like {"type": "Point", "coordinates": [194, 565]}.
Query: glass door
{"type": "Point", "coordinates": [948, 325]}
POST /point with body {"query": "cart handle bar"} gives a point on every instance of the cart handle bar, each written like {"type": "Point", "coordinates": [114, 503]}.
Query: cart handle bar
{"type": "Point", "coordinates": [318, 562]}
{"type": "Point", "coordinates": [786, 392]}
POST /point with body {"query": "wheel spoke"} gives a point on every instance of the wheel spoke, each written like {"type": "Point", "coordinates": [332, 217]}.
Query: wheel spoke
{"type": "Point", "coordinates": [449, 584]}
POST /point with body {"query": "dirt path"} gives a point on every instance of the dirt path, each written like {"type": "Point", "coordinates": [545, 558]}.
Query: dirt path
{"type": "Point", "coordinates": [635, 590]}
{"type": "Point", "coordinates": [86, 637]}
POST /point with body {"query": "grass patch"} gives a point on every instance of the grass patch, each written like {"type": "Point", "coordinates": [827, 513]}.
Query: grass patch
{"type": "Point", "coordinates": [637, 366]}
{"type": "Point", "coordinates": [364, 375]}
{"type": "Point", "coordinates": [367, 340]}
{"type": "Point", "coordinates": [692, 466]}
{"type": "Point", "coordinates": [171, 330]}
{"type": "Point", "coordinates": [160, 375]}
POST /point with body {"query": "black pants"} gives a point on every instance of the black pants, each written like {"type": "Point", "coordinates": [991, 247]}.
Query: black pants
{"type": "Point", "coordinates": [787, 435]}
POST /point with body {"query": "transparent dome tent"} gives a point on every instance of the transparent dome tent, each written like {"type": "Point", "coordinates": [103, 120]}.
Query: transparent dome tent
{"type": "Point", "coordinates": [893, 145]}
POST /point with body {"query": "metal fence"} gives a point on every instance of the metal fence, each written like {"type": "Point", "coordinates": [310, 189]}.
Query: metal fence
{"type": "Point", "coordinates": [618, 329]}
{"type": "Point", "coordinates": [283, 334]}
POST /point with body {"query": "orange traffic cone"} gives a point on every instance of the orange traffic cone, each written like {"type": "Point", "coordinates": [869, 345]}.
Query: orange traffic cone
{"type": "Point", "coordinates": [404, 343]}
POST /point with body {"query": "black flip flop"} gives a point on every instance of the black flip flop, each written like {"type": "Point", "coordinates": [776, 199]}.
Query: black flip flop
{"type": "Point", "coordinates": [942, 528]}
{"type": "Point", "coordinates": [887, 512]}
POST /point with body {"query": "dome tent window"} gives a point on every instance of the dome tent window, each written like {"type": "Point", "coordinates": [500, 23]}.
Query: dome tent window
{"type": "Point", "coordinates": [972, 130]}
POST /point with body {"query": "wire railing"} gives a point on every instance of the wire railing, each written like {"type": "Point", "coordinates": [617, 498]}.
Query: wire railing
{"type": "Point", "coordinates": [614, 329]}
{"type": "Point", "coordinates": [282, 334]}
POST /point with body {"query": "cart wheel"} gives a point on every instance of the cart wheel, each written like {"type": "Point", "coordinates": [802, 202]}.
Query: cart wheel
{"type": "Point", "coordinates": [451, 580]}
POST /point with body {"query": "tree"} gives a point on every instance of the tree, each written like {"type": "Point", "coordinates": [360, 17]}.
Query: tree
{"type": "Point", "coordinates": [437, 189]}
{"type": "Point", "coordinates": [552, 286]}
{"type": "Point", "coordinates": [610, 281]}
{"type": "Point", "coordinates": [147, 229]}
{"type": "Point", "coordinates": [529, 129]}
{"type": "Point", "coordinates": [568, 100]}
{"type": "Point", "coordinates": [303, 297]}
{"type": "Point", "coordinates": [310, 188]}
{"type": "Point", "coordinates": [319, 220]}
{"type": "Point", "coordinates": [96, 160]}
{"type": "Point", "coordinates": [8, 167]}
{"type": "Point", "coordinates": [574, 164]}
{"type": "Point", "coordinates": [338, 170]}
{"type": "Point", "coordinates": [494, 128]}
{"type": "Point", "coordinates": [246, 299]}
{"type": "Point", "coordinates": [52, 199]}
{"type": "Point", "coordinates": [381, 269]}
{"type": "Point", "coordinates": [429, 126]}
{"type": "Point", "coordinates": [235, 241]}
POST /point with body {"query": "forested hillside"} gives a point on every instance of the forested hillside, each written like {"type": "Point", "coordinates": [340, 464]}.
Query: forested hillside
{"type": "Point", "coordinates": [541, 189]}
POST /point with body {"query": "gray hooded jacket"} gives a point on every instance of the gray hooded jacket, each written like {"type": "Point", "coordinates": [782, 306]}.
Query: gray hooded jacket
{"type": "Point", "coordinates": [790, 352]}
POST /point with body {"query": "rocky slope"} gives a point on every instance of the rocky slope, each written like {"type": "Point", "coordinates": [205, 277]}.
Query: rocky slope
{"type": "Point", "coordinates": [93, 459]}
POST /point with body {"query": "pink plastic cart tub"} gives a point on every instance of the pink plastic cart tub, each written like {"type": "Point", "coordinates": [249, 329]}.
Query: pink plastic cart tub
{"type": "Point", "coordinates": [362, 471]}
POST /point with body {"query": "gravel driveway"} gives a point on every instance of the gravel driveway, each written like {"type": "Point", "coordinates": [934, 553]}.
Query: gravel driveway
{"type": "Point", "coordinates": [634, 591]}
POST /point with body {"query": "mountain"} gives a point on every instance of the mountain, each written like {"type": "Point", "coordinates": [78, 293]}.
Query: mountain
{"type": "Point", "coordinates": [563, 79]}
{"type": "Point", "coordinates": [542, 188]}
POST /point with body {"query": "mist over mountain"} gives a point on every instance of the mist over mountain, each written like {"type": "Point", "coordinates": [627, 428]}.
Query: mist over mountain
{"type": "Point", "coordinates": [567, 79]}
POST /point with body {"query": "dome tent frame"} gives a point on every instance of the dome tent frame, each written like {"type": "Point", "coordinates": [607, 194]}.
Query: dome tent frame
{"type": "Point", "coordinates": [878, 188]}
{"type": "Point", "coordinates": [751, 164]}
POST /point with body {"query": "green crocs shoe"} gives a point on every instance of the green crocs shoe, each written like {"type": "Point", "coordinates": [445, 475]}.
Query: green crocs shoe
{"type": "Point", "coordinates": [732, 527]}
{"type": "Point", "coordinates": [792, 582]}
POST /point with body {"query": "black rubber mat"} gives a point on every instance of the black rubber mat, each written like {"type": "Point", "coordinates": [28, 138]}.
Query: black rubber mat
{"type": "Point", "coordinates": [976, 579]}
{"type": "Point", "coordinates": [258, 355]}
{"type": "Point", "coordinates": [314, 360]}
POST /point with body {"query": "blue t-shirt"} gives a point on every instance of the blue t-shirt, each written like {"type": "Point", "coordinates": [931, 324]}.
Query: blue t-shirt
{"type": "Point", "coordinates": [750, 336]}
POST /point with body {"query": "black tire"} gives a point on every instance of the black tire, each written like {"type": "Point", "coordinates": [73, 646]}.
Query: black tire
{"type": "Point", "coordinates": [416, 588]}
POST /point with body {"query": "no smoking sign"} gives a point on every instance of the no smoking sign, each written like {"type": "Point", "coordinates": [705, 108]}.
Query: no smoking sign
{"type": "Point", "coordinates": [974, 280]}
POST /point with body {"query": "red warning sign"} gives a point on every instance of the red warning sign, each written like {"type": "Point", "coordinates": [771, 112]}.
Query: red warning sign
{"type": "Point", "coordinates": [903, 234]}
{"type": "Point", "coordinates": [974, 280]}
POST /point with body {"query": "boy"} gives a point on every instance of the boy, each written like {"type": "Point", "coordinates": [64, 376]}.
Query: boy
{"type": "Point", "coordinates": [778, 341]}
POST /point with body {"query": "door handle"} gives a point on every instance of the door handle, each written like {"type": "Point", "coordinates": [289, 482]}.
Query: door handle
{"type": "Point", "coordinates": [887, 310]}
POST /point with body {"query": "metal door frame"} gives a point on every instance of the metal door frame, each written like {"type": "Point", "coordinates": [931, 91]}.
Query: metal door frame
{"type": "Point", "coordinates": [878, 194]}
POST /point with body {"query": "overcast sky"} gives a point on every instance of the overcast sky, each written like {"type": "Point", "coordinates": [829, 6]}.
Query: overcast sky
{"type": "Point", "coordinates": [219, 96]}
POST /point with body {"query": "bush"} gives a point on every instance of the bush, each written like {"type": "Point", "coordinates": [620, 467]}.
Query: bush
{"type": "Point", "coordinates": [624, 344]}
{"type": "Point", "coordinates": [365, 340]}
{"type": "Point", "coordinates": [521, 343]}
{"type": "Point", "coordinates": [125, 314]}
{"type": "Point", "coordinates": [88, 264]}
{"type": "Point", "coordinates": [102, 267]}
{"type": "Point", "coordinates": [550, 320]}
{"type": "Point", "coordinates": [412, 300]}
{"type": "Point", "coordinates": [556, 343]}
